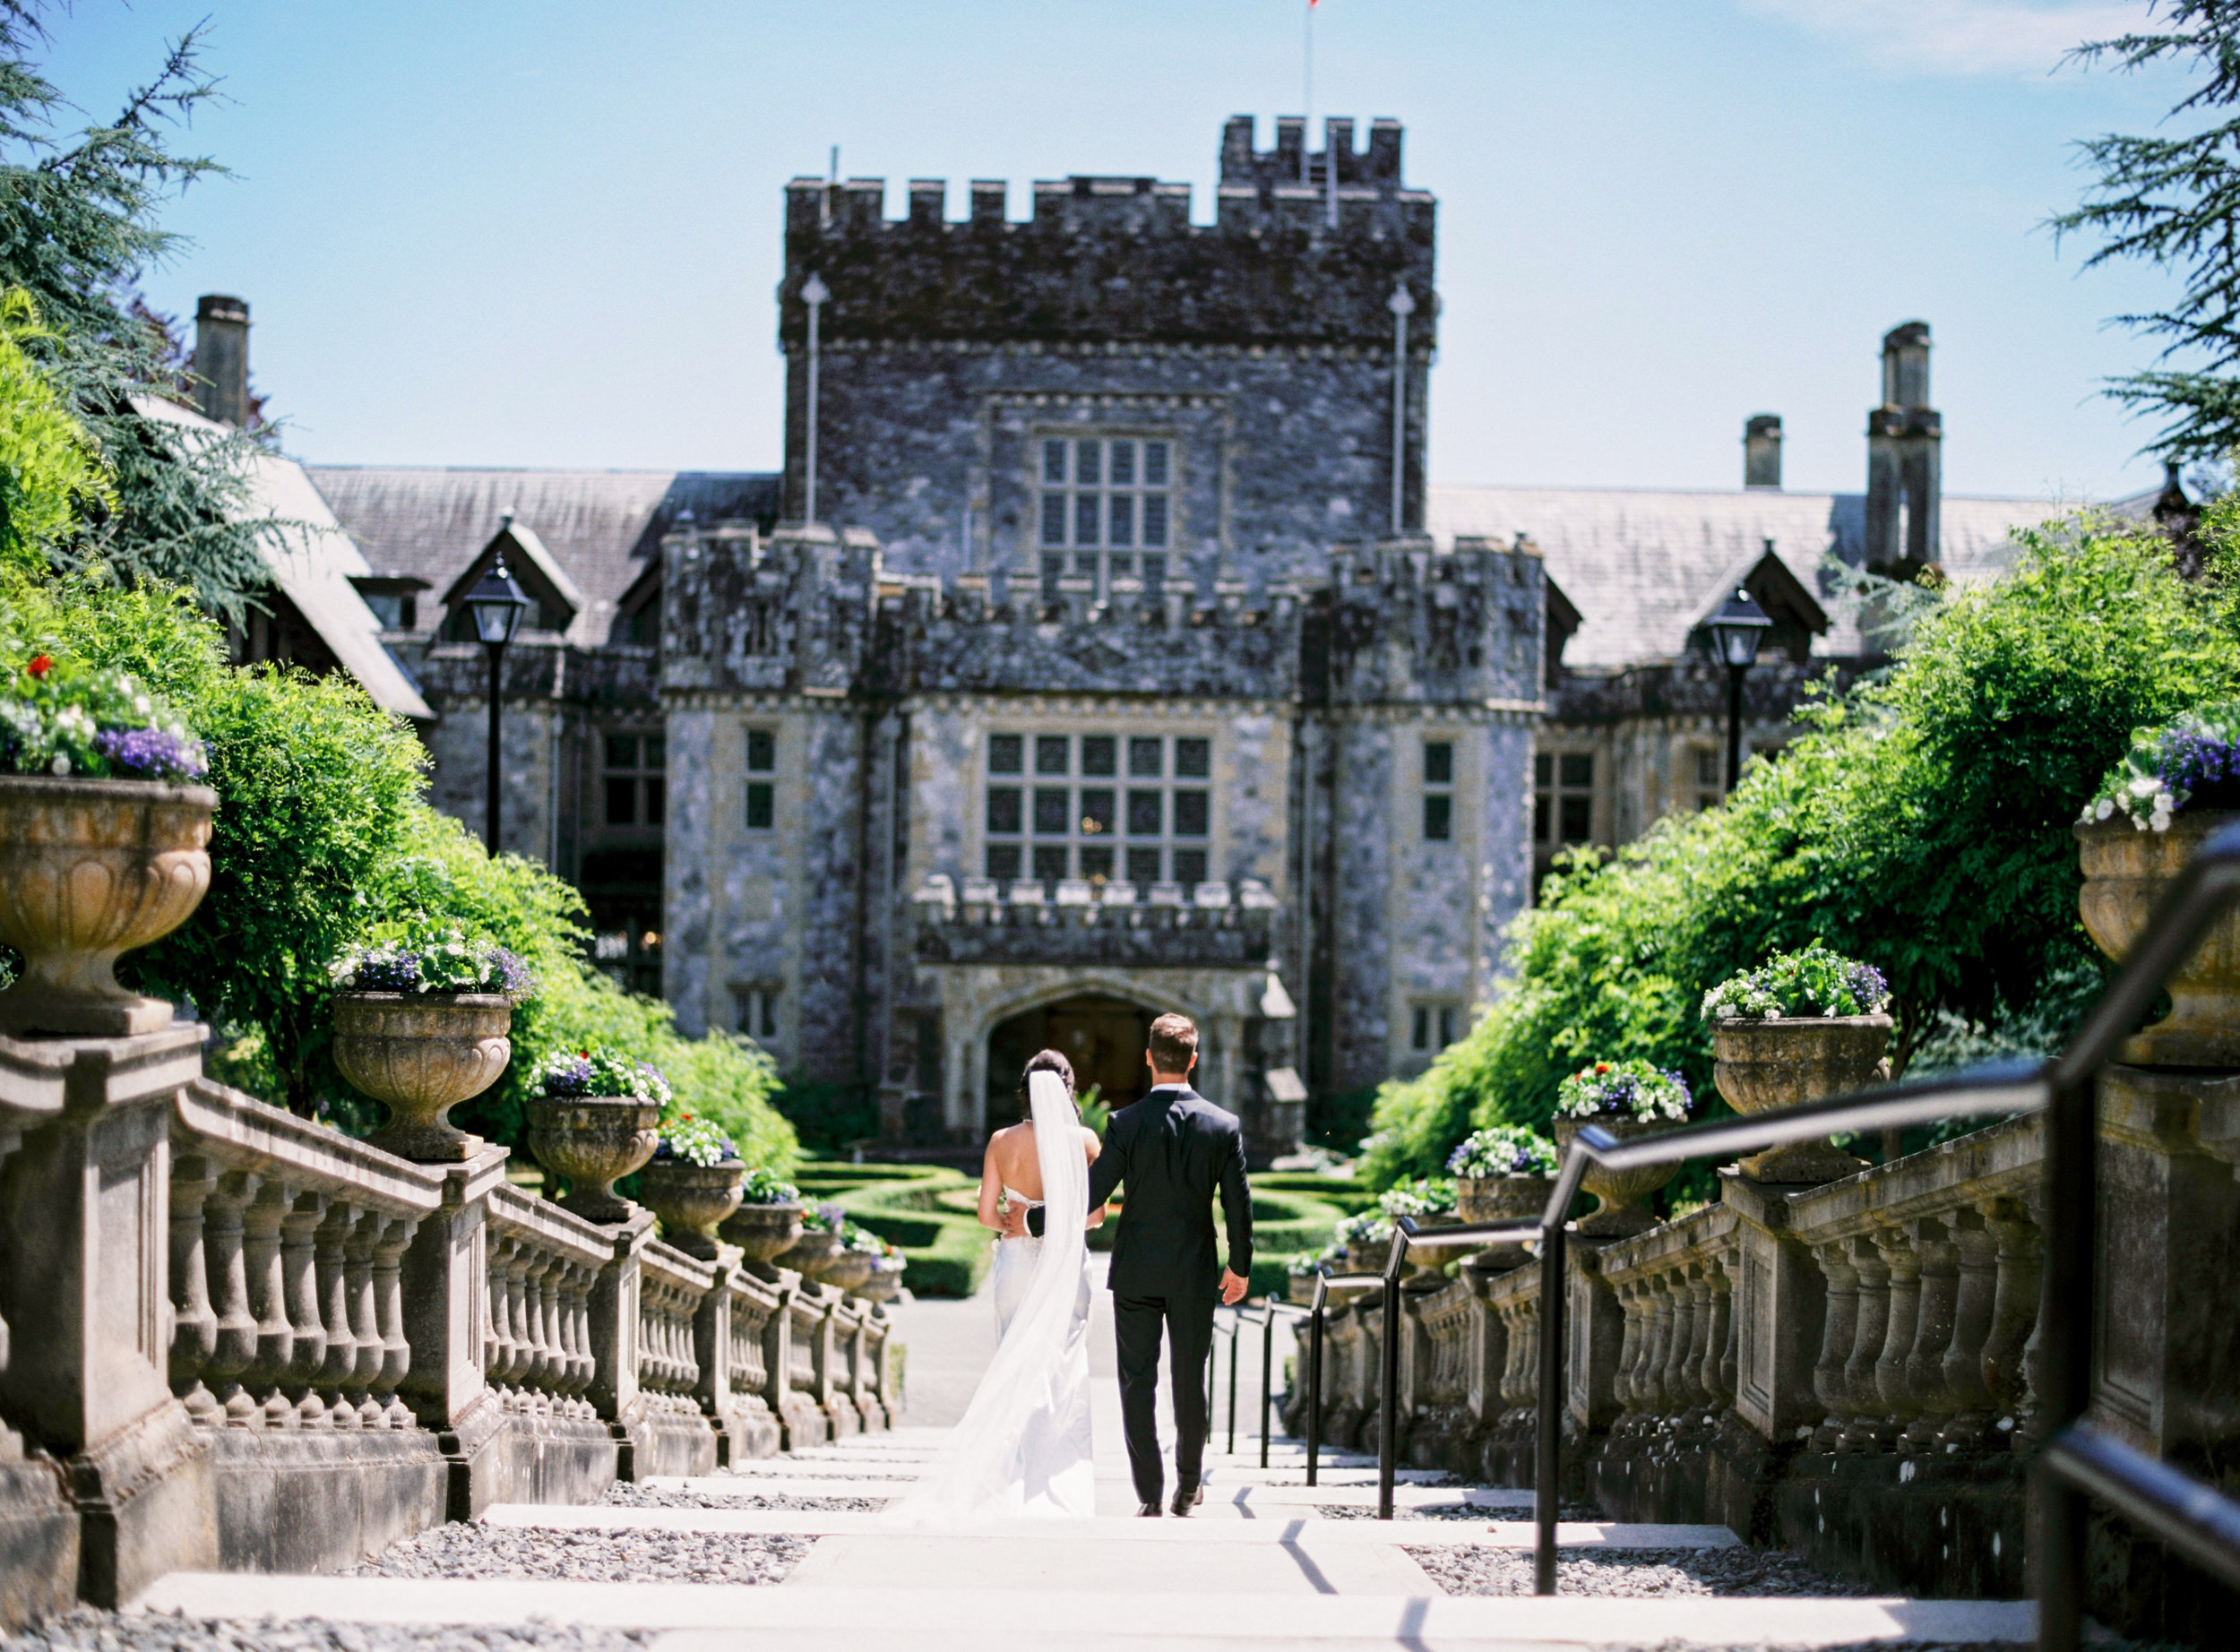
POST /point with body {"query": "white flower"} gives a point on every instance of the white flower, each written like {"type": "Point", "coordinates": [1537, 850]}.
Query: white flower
{"type": "Point", "coordinates": [2160, 822]}
{"type": "Point", "coordinates": [61, 765]}
{"type": "Point", "coordinates": [143, 705]}
{"type": "Point", "coordinates": [2164, 803]}
{"type": "Point", "coordinates": [1831, 1010]}
{"type": "Point", "coordinates": [2140, 821]}
{"type": "Point", "coordinates": [2106, 807]}
{"type": "Point", "coordinates": [1773, 1013]}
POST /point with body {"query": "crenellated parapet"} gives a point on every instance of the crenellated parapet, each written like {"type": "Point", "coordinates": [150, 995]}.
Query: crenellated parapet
{"type": "Point", "coordinates": [1403, 622]}
{"type": "Point", "coordinates": [1293, 257]}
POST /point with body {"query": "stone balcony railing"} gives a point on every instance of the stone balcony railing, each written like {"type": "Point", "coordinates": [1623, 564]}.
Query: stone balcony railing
{"type": "Point", "coordinates": [1846, 1370]}
{"type": "Point", "coordinates": [1080, 921]}
{"type": "Point", "coordinates": [236, 1339]}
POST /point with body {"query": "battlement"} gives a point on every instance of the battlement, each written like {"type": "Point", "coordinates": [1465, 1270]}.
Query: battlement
{"type": "Point", "coordinates": [1298, 254]}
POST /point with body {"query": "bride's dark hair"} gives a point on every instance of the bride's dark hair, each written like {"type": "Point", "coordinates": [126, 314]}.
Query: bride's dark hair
{"type": "Point", "coordinates": [1048, 1060]}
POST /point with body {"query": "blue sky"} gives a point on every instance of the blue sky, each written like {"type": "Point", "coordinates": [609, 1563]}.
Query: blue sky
{"type": "Point", "coordinates": [485, 233]}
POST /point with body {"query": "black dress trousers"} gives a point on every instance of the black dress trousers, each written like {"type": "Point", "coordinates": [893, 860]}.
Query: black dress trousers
{"type": "Point", "coordinates": [1189, 1325]}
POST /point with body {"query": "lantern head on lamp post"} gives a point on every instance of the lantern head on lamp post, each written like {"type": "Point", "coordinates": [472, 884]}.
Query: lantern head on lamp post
{"type": "Point", "coordinates": [496, 604]}
{"type": "Point", "coordinates": [1737, 630]}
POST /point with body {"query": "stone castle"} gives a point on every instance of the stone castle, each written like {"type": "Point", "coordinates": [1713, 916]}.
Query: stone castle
{"type": "Point", "coordinates": [1101, 649]}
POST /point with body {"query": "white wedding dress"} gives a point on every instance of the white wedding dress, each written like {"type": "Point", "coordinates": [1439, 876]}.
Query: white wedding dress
{"type": "Point", "coordinates": [1023, 1449]}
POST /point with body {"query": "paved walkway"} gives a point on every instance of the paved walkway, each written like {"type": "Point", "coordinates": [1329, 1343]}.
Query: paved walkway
{"type": "Point", "coordinates": [1257, 1566]}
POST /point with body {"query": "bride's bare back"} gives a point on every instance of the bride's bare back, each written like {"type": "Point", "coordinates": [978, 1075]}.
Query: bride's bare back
{"type": "Point", "coordinates": [1012, 1161]}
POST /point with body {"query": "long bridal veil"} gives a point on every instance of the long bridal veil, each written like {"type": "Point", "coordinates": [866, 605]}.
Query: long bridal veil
{"type": "Point", "coordinates": [1023, 1449]}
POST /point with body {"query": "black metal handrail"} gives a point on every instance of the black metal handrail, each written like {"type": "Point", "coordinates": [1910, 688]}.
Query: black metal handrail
{"type": "Point", "coordinates": [2077, 1460]}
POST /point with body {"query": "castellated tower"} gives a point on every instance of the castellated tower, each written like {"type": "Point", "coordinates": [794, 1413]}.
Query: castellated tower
{"type": "Point", "coordinates": [1104, 678]}
{"type": "Point", "coordinates": [1257, 349]}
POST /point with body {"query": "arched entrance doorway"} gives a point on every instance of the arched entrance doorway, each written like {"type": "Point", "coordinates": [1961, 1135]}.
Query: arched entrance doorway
{"type": "Point", "coordinates": [1103, 1037]}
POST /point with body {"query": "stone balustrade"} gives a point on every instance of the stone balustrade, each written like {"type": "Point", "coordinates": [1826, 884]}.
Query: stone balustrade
{"type": "Point", "coordinates": [1849, 1369]}
{"type": "Point", "coordinates": [233, 1337]}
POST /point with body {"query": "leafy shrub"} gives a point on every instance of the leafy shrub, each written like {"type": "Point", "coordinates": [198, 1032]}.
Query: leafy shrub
{"type": "Point", "coordinates": [1921, 821]}
{"type": "Point", "coordinates": [50, 466]}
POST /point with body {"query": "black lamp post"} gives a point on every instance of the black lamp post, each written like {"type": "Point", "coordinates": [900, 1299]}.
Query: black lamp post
{"type": "Point", "coordinates": [496, 603]}
{"type": "Point", "coordinates": [1736, 631]}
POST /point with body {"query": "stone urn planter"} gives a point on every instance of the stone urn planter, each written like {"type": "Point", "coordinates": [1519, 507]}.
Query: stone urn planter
{"type": "Point", "coordinates": [2125, 870]}
{"type": "Point", "coordinates": [848, 1270]}
{"type": "Point", "coordinates": [90, 870]}
{"type": "Point", "coordinates": [593, 1141]}
{"type": "Point", "coordinates": [1301, 1289]}
{"type": "Point", "coordinates": [812, 1252]}
{"type": "Point", "coordinates": [1502, 1199]}
{"type": "Point", "coordinates": [1766, 1064]}
{"type": "Point", "coordinates": [421, 1054]}
{"type": "Point", "coordinates": [884, 1285]}
{"type": "Point", "coordinates": [690, 1199]}
{"type": "Point", "coordinates": [764, 1233]}
{"type": "Point", "coordinates": [1621, 1211]}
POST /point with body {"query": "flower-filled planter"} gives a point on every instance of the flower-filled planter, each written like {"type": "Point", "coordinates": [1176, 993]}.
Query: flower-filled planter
{"type": "Point", "coordinates": [596, 1117]}
{"type": "Point", "coordinates": [823, 1236]}
{"type": "Point", "coordinates": [1430, 1200]}
{"type": "Point", "coordinates": [692, 1183]}
{"type": "Point", "coordinates": [104, 843]}
{"type": "Point", "coordinates": [1503, 1173]}
{"type": "Point", "coordinates": [1627, 1099]}
{"type": "Point", "coordinates": [851, 1266]}
{"type": "Point", "coordinates": [767, 1223]}
{"type": "Point", "coordinates": [2174, 786]}
{"type": "Point", "coordinates": [420, 1025]}
{"type": "Point", "coordinates": [1802, 1026]}
{"type": "Point", "coordinates": [888, 1265]}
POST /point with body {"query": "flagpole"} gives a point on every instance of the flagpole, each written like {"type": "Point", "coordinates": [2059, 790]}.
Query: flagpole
{"type": "Point", "coordinates": [1307, 115]}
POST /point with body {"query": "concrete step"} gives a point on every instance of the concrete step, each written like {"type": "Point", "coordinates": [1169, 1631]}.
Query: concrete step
{"type": "Point", "coordinates": [1107, 1532]}
{"type": "Point", "coordinates": [707, 1618]}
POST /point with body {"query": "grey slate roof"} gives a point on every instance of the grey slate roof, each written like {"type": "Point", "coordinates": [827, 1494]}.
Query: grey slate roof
{"type": "Point", "coordinates": [1640, 565]}
{"type": "Point", "coordinates": [600, 526]}
{"type": "Point", "coordinates": [313, 566]}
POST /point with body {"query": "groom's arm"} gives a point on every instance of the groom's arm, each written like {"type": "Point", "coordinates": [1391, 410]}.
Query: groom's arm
{"type": "Point", "coordinates": [1104, 1177]}
{"type": "Point", "coordinates": [1236, 1207]}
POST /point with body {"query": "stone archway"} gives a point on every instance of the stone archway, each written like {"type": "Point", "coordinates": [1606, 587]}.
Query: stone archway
{"type": "Point", "coordinates": [1102, 1035]}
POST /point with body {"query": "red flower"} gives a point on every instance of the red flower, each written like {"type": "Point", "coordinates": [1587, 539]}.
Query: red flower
{"type": "Point", "coordinates": [40, 665]}
{"type": "Point", "coordinates": [1602, 1066]}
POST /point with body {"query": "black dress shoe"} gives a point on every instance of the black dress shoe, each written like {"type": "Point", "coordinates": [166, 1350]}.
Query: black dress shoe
{"type": "Point", "coordinates": [1148, 1512]}
{"type": "Point", "coordinates": [1188, 1498]}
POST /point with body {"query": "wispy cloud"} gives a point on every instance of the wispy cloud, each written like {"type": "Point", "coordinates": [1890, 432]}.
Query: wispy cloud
{"type": "Point", "coordinates": [1961, 36]}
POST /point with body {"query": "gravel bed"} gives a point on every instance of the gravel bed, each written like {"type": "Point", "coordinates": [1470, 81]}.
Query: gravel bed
{"type": "Point", "coordinates": [1741, 1570]}
{"type": "Point", "coordinates": [472, 1550]}
{"type": "Point", "coordinates": [1453, 1511]}
{"type": "Point", "coordinates": [85, 1629]}
{"type": "Point", "coordinates": [622, 1496]}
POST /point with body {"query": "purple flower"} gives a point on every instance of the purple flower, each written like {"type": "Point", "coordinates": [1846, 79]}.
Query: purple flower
{"type": "Point", "coordinates": [513, 976]}
{"type": "Point", "coordinates": [153, 752]}
{"type": "Point", "coordinates": [397, 972]}
{"type": "Point", "coordinates": [568, 1077]}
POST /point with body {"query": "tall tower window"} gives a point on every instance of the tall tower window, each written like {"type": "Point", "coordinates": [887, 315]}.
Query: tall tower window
{"type": "Point", "coordinates": [1438, 791]}
{"type": "Point", "coordinates": [1108, 508]}
{"type": "Point", "coordinates": [762, 785]}
{"type": "Point", "coordinates": [636, 779]}
{"type": "Point", "coordinates": [1562, 798]}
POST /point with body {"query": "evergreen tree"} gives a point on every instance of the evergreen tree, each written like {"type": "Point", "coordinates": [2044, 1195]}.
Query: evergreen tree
{"type": "Point", "coordinates": [2174, 200]}
{"type": "Point", "coordinates": [78, 230]}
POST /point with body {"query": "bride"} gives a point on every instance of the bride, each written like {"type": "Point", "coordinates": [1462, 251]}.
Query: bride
{"type": "Point", "coordinates": [1022, 1448]}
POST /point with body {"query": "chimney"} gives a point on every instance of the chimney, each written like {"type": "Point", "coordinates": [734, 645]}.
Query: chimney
{"type": "Point", "coordinates": [1761, 450]}
{"type": "Point", "coordinates": [1905, 462]}
{"type": "Point", "coordinates": [221, 358]}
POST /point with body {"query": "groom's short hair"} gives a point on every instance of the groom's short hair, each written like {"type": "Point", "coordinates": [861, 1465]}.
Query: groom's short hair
{"type": "Point", "coordinates": [1174, 1042]}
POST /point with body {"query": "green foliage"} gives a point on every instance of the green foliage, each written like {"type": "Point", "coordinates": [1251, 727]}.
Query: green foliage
{"type": "Point", "coordinates": [1338, 1121]}
{"type": "Point", "coordinates": [946, 1251]}
{"type": "Point", "coordinates": [765, 1186]}
{"type": "Point", "coordinates": [827, 1117]}
{"type": "Point", "coordinates": [1813, 981]}
{"type": "Point", "coordinates": [2170, 200]}
{"type": "Point", "coordinates": [78, 230]}
{"type": "Point", "coordinates": [1922, 823]}
{"type": "Point", "coordinates": [50, 467]}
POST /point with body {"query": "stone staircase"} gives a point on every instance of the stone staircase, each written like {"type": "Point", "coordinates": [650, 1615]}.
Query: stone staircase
{"type": "Point", "coordinates": [1267, 1560]}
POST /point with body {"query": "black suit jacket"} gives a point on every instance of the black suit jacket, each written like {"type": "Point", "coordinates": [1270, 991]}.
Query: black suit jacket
{"type": "Point", "coordinates": [1171, 1152]}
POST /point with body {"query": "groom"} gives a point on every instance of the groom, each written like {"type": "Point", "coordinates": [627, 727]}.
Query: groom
{"type": "Point", "coordinates": [1171, 1149]}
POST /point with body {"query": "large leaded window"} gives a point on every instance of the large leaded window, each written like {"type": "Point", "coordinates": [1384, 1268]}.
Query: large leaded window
{"type": "Point", "coordinates": [1107, 507]}
{"type": "Point", "coordinates": [1100, 807]}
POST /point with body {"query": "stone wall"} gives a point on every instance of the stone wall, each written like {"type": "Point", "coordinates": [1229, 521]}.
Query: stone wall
{"type": "Point", "coordinates": [1850, 1370]}
{"type": "Point", "coordinates": [235, 1339]}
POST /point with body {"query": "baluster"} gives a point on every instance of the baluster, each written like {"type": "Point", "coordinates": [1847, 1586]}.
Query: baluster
{"type": "Point", "coordinates": [1677, 1378]}
{"type": "Point", "coordinates": [1933, 1334]}
{"type": "Point", "coordinates": [193, 1323]}
{"type": "Point", "coordinates": [1963, 1364]}
{"type": "Point", "coordinates": [518, 1261]}
{"type": "Point", "coordinates": [236, 1349]}
{"type": "Point", "coordinates": [358, 1260]}
{"type": "Point", "coordinates": [2014, 1311]}
{"type": "Point", "coordinates": [1630, 1329]}
{"type": "Point", "coordinates": [300, 1278]}
{"type": "Point", "coordinates": [543, 1357]}
{"type": "Point", "coordinates": [268, 1301]}
{"type": "Point", "coordinates": [586, 1363]}
{"type": "Point", "coordinates": [498, 1339]}
{"type": "Point", "coordinates": [558, 1366]}
{"type": "Point", "coordinates": [329, 1245]}
{"type": "Point", "coordinates": [1715, 1376]}
{"type": "Point", "coordinates": [1529, 1375]}
{"type": "Point", "coordinates": [396, 1353]}
{"type": "Point", "coordinates": [1839, 1331]}
{"type": "Point", "coordinates": [1689, 1379]}
{"type": "Point", "coordinates": [1867, 1430]}
{"type": "Point", "coordinates": [1649, 1376]}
